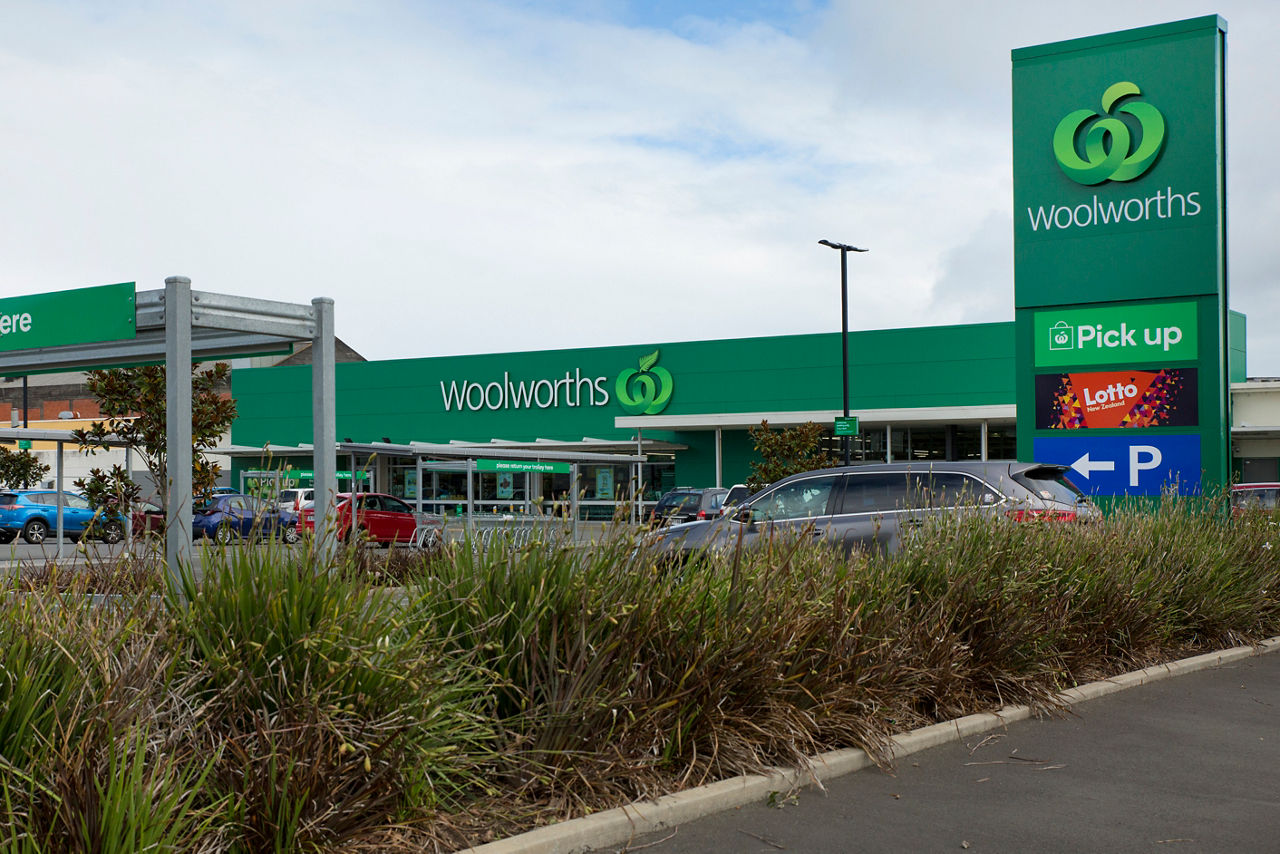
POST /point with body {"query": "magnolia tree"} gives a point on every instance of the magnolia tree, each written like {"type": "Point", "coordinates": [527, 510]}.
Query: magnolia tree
{"type": "Point", "coordinates": [786, 452]}
{"type": "Point", "coordinates": [21, 470]}
{"type": "Point", "coordinates": [132, 403]}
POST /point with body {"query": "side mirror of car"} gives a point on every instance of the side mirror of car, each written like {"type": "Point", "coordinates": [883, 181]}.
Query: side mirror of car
{"type": "Point", "coordinates": [743, 515]}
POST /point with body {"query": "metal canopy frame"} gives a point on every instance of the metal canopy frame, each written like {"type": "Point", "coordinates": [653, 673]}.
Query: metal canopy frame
{"type": "Point", "coordinates": [177, 326]}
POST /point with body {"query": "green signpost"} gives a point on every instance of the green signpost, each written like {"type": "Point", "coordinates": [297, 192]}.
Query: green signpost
{"type": "Point", "coordinates": [80, 316]}
{"type": "Point", "coordinates": [1119, 234]}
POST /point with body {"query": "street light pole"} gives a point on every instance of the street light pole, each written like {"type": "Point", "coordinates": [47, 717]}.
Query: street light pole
{"type": "Point", "coordinates": [845, 249]}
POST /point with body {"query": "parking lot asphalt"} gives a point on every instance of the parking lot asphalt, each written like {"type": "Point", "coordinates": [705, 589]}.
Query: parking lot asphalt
{"type": "Point", "coordinates": [1185, 764]}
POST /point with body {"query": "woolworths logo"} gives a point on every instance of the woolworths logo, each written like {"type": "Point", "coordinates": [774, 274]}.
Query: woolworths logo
{"type": "Point", "coordinates": [1107, 142]}
{"type": "Point", "coordinates": [1110, 154]}
{"type": "Point", "coordinates": [646, 391]}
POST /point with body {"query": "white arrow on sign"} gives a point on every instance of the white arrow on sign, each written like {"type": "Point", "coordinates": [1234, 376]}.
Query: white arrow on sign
{"type": "Point", "coordinates": [1086, 466]}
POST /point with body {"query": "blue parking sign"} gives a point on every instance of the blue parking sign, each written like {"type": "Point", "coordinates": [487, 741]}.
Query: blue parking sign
{"type": "Point", "coordinates": [1120, 465]}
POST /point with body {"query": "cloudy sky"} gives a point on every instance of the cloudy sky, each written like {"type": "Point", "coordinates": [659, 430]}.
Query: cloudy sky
{"type": "Point", "coordinates": [490, 176]}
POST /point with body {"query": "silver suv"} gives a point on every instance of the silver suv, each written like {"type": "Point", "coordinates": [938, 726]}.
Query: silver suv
{"type": "Point", "coordinates": [873, 506]}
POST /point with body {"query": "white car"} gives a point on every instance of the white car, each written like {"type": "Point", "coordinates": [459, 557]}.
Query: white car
{"type": "Point", "coordinates": [738, 493]}
{"type": "Point", "coordinates": [296, 499]}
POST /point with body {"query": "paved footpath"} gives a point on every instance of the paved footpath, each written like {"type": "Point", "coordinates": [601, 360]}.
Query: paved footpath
{"type": "Point", "coordinates": [1186, 764]}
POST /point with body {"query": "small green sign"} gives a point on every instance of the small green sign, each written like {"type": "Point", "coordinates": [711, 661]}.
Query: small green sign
{"type": "Point", "coordinates": [24, 444]}
{"type": "Point", "coordinates": [523, 465]}
{"type": "Point", "coordinates": [309, 474]}
{"type": "Point", "coordinates": [81, 316]}
{"type": "Point", "coordinates": [847, 426]}
{"type": "Point", "coordinates": [1113, 335]}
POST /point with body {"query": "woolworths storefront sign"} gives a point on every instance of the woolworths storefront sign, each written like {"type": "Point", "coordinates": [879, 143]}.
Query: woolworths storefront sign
{"type": "Point", "coordinates": [644, 389]}
{"type": "Point", "coordinates": [1119, 205]}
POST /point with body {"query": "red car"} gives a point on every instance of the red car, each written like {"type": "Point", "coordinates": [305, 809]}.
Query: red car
{"type": "Point", "coordinates": [147, 518]}
{"type": "Point", "coordinates": [380, 518]}
{"type": "Point", "coordinates": [1254, 496]}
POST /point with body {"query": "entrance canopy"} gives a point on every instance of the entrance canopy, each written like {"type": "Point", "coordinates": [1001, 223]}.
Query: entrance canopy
{"type": "Point", "coordinates": [466, 457]}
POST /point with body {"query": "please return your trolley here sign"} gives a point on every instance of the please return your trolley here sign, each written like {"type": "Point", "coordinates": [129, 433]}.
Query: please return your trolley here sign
{"type": "Point", "coordinates": [522, 465]}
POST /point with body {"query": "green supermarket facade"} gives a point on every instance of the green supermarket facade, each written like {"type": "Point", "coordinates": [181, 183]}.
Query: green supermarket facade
{"type": "Point", "coordinates": [923, 393]}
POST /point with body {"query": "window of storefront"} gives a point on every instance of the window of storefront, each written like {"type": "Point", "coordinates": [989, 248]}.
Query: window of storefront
{"type": "Point", "coordinates": [941, 442]}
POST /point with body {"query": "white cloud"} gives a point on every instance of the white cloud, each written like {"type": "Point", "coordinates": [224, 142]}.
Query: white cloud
{"type": "Point", "coordinates": [481, 177]}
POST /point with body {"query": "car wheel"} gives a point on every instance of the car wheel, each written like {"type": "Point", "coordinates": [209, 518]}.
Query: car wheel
{"type": "Point", "coordinates": [35, 531]}
{"type": "Point", "coordinates": [224, 536]}
{"type": "Point", "coordinates": [112, 533]}
{"type": "Point", "coordinates": [289, 533]}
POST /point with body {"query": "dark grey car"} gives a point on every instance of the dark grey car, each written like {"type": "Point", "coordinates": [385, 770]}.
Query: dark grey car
{"type": "Point", "coordinates": [875, 505]}
{"type": "Point", "coordinates": [686, 505]}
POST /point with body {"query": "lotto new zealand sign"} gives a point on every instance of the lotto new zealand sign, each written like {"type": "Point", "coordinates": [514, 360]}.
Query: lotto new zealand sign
{"type": "Point", "coordinates": [1117, 399]}
{"type": "Point", "coordinates": [1119, 271]}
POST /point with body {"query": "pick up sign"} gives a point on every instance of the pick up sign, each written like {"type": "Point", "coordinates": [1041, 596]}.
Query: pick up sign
{"type": "Point", "coordinates": [1111, 335]}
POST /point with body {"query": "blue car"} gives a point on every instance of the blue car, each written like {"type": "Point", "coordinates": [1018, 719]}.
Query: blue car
{"type": "Point", "coordinates": [227, 518]}
{"type": "Point", "coordinates": [33, 513]}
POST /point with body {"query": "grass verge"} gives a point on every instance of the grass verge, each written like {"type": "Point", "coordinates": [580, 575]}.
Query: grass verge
{"type": "Point", "coordinates": [430, 702]}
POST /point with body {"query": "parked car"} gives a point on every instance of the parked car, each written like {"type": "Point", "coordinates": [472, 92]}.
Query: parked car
{"type": "Point", "coordinates": [874, 506]}
{"type": "Point", "coordinates": [226, 518]}
{"type": "Point", "coordinates": [296, 499]}
{"type": "Point", "coordinates": [686, 505]}
{"type": "Point", "coordinates": [382, 519]}
{"type": "Point", "coordinates": [1254, 496]}
{"type": "Point", "coordinates": [146, 517]}
{"type": "Point", "coordinates": [33, 513]}
{"type": "Point", "coordinates": [738, 493]}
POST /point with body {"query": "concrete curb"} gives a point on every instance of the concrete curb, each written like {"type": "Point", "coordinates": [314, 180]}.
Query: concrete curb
{"type": "Point", "coordinates": [620, 825]}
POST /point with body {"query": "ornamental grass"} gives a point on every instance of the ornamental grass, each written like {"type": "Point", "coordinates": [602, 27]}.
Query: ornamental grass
{"type": "Point", "coordinates": [400, 701]}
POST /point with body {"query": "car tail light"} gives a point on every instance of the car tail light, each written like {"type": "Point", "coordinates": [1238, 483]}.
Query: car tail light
{"type": "Point", "coordinates": [1042, 515]}
{"type": "Point", "coordinates": [702, 514]}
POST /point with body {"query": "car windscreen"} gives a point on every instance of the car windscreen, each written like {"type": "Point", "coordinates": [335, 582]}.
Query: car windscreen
{"type": "Point", "coordinates": [1049, 483]}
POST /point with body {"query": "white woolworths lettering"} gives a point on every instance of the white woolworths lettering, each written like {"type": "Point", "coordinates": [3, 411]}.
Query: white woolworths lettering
{"type": "Point", "coordinates": [15, 323]}
{"type": "Point", "coordinates": [1137, 463]}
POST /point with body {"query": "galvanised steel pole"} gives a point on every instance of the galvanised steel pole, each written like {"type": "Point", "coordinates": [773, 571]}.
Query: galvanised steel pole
{"type": "Point", "coordinates": [177, 422]}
